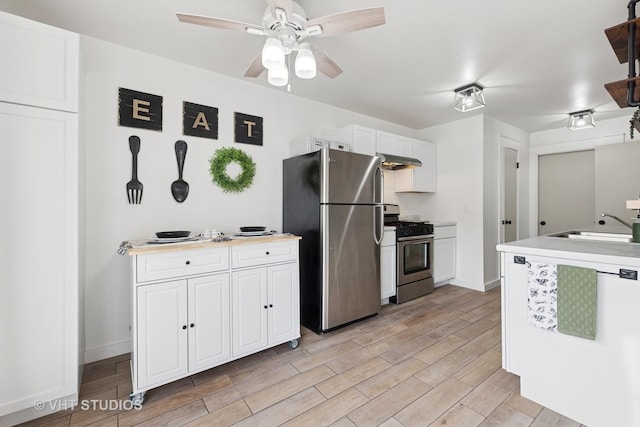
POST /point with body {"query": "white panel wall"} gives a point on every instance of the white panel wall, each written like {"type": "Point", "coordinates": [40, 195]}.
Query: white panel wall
{"type": "Point", "coordinates": [110, 219]}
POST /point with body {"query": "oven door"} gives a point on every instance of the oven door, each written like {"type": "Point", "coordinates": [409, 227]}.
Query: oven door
{"type": "Point", "coordinates": [415, 258]}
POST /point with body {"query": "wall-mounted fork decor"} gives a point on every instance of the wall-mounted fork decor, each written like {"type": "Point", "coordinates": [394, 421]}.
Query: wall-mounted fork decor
{"type": "Point", "coordinates": [134, 187]}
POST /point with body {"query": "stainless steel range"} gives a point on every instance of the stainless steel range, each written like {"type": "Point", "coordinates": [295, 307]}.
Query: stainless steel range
{"type": "Point", "coordinates": [414, 251]}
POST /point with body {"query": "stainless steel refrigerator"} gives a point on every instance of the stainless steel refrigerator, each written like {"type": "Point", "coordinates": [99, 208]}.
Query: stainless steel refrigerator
{"type": "Point", "coordinates": [334, 200]}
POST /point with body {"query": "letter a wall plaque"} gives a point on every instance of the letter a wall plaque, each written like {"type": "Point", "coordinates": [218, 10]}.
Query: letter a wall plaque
{"type": "Point", "coordinates": [248, 129]}
{"type": "Point", "coordinates": [139, 109]}
{"type": "Point", "coordinates": [199, 120]}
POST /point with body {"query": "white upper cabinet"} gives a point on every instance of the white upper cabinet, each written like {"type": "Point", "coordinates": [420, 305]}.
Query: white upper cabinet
{"type": "Point", "coordinates": [362, 139]}
{"type": "Point", "coordinates": [422, 179]}
{"type": "Point", "coordinates": [389, 143]}
{"type": "Point", "coordinates": [40, 66]}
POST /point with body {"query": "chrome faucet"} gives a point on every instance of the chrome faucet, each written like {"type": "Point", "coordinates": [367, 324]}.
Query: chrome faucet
{"type": "Point", "coordinates": [617, 219]}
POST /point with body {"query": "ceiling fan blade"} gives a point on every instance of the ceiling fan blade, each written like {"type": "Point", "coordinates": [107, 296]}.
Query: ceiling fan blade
{"type": "Point", "coordinates": [286, 5]}
{"type": "Point", "coordinates": [219, 23]}
{"type": "Point", "coordinates": [346, 22]}
{"type": "Point", "coordinates": [324, 64]}
{"type": "Point", "coordinates": [256, 68]}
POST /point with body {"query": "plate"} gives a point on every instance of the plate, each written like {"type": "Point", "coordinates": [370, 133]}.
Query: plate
{"type": "Point", "coordinates": [254, 233]}
{"type": "Point", "coordinates": [252, 229]}
{"type": "Point", "coordinates": [172, 234]}
{"type": "Point", "coordinates": [172, 239]}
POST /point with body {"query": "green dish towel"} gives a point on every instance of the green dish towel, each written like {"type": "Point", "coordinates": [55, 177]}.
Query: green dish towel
{"type": "Point", "coordinates": [577, 301]}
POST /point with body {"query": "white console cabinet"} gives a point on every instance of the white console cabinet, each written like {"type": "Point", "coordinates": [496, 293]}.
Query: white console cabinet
{"type": "Point", "coordinates": [444, 253]}
{"type": "Point", "coordinates": [194, 309]}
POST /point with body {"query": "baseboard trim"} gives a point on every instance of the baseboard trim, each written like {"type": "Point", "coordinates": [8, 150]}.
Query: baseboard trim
{"type": "Point", "coordinates": [469, 285]}
{"type": "Point", "coordinates": [107, 351]}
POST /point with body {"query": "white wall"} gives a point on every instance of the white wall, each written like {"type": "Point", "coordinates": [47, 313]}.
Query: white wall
{"type": "Point", "coordinates": [111, 220]}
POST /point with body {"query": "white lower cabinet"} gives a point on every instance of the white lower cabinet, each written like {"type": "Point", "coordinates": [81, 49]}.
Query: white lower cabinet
{"type": "Point", "coordinates": [444, 253]}
{"type": "Point", "coordinates": [183, 325]}
{"type": "Point", "coordinates": [265, 313]}
{"type": "Point", "coordinates": [388, 262]}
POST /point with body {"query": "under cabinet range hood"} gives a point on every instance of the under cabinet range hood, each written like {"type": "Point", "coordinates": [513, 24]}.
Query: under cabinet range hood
{"type": "Point", "coordinates": [393, 162]}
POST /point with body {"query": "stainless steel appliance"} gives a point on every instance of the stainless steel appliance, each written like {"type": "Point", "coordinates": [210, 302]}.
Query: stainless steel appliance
{"type": "Point", "coordinates": [414, 249]}
{"type": "Point", "coordinates": [333, 199]}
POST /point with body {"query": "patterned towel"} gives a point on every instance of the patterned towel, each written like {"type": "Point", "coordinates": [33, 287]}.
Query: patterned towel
{"type": "Point", "coordinates": [577, 295]}
{"type": "Point", "coordinates": [542, 295]}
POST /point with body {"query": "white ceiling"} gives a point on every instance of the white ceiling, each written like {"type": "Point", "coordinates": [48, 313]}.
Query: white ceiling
{"type": "Point", "coordinates": [538, 60]}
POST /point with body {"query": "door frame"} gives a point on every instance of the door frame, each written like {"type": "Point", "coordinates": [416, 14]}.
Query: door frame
{"type": "Point", "coordinates": [514, 144]}
{"type": "Point", "coordinates": [565, 147]}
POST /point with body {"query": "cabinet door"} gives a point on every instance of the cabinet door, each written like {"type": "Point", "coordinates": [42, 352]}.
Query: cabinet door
{"type": "Point", "coordinates": [422, 179]}
{"type": "Point", "coordinates": [444, 259]}
{"type": "Point", "coordinates": [209, 338]}
{"type": "Point", "coordinates": [38, 255]}
{"type": "Point", "coordinates": [387, 271]}
{"type": "Point", "coordinates": [362, 139]}
{"type": "Point", "coordinates": [284, 303]}
{"type": "Point", "coordinates": [385, 143]}
{"type": "Point", "coordinates": [162, 332]}
{"type": "Point", "coordinates": [42, 64]}
{"type": "Point", "coordinates": [249, 311]}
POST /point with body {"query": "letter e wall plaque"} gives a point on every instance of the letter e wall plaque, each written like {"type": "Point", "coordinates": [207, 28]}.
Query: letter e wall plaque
{"type": "Point", "coordinates": [248, 129]}
{"type": "Point", "coordinates": [199, 120]}
{"type": "Point", "coordinates": [139, 109]}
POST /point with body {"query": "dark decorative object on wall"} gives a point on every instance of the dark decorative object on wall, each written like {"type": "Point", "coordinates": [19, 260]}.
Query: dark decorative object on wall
{"type": "Point", "coordinates": [180, 188]}
{"type": "Point", "coordinates": [199, 120]}
{"type": "Point", "coordinates": [218, 169]}
{"type": "Point", "coordinates": [139, 110]}
{"type": "Point", "coordinates": [248, 129]}
{"type": "Point", "coordinates": [134, 187]}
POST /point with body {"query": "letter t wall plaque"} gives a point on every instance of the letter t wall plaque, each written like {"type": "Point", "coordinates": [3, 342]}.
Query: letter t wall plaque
{"type": "Point", "coordinates": [139, 110]}
{"type": "Point", "coordinates": [248, 129]}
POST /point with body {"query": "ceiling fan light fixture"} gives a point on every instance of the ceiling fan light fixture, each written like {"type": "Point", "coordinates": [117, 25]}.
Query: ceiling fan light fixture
{"type": "Point", "coordinates": [273, 54]}
{"type": "Point", "coordinates": [278, 76]}
{"type": "Point", "coordinates": [469, 97]}
{"type": "Point", "coordinates": [581, 120]}
{"type": "Point", "coordinates": [305, 65]}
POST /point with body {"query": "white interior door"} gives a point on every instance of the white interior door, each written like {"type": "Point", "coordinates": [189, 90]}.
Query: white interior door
{"type": "Point", "coordinates": [510, 190]}
{"type": "Point", "coordinates": [566, 191]}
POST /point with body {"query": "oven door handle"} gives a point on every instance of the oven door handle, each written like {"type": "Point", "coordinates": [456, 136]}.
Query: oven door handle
{"type": "Point", "coordinates": [413, 238]}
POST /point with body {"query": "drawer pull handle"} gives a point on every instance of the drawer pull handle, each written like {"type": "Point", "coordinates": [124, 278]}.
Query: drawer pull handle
{"type": "Point", "coordinates": [188, 262]}
{"type": "Point", "coordinates": [192, 325]}
{"type": "Point", "coordinates": [271, 305]}
{"type": "Point", "coordinates": [267, 252]}
{"type": "Point", "coordinates": [265, 306]}
{"type": "Point", "coordinates": [184, 326]}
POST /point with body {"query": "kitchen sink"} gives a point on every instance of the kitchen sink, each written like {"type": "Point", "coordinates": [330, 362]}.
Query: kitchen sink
{"type": "Point", "coordinates": [594, 235]}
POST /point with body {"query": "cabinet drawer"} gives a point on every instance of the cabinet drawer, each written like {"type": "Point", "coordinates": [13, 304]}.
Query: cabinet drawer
{"type": "Point", "coordinates": [183, 263]}
{"type": "Point", "coordinates": [268, 253]}
{"type": "Point", "coordinates": [444, 232]}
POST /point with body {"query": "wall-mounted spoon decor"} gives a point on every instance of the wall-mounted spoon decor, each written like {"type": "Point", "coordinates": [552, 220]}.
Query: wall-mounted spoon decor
{"type": "Point", "coordinates": [180, 188]}
{"type": "Point", "coordinates": [134, 187]}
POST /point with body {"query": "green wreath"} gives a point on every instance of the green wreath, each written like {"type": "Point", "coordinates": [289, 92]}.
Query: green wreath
{"type": "Point", "coordinates": [218, 169]}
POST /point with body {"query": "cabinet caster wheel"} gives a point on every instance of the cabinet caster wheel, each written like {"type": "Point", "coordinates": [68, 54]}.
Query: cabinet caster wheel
{"type": "Point", "coordinates": [294, 343]}
{"type": "Point", "coordinates": [137, 398]}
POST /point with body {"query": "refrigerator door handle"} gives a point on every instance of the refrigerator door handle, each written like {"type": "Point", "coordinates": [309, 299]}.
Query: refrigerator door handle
{"type": "Point", "coordinates": [378, 186]}
{"type": "Point", "coordinates": [379, 225]}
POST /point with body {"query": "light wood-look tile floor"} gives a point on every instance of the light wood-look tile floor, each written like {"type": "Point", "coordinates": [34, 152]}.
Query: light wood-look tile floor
{"type": "Point", "coordinates": [432, 361]}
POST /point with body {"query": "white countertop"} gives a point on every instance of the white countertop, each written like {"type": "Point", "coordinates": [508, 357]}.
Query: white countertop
{"type": "Point", "coordinates": [442, 223]}
{"type": "Point", "coordinates": [587, 250]}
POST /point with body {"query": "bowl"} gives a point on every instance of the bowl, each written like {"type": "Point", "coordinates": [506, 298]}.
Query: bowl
{"type": "Point", "coordinates": [172, 234]}
{"type": "Point", "coordinates": [252, 229]}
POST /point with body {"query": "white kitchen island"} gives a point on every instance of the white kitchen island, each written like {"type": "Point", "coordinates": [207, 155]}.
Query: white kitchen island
{"type": "Point", "coordinates": [595, 382]}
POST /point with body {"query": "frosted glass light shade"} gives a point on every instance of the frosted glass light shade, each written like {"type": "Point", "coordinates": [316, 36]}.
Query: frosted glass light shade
{"type": "Point", "coordinates": [581, 120]}
{"type": "Point", "coordinates": [278, 76]}
{"type": "Point", "coordinates": [305, 62]}
{"type": "Point", "coordinates": [272, 54]}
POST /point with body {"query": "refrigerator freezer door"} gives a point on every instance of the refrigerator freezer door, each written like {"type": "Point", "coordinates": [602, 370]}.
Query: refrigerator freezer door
{"type": "Point", "coordinates": [350, 178]}
{"type": "Point", "coordinates": [351, 267]}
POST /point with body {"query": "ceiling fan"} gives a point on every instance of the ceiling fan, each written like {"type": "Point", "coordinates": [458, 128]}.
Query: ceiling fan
{"type": "Point", "coordinates": [287, 27]}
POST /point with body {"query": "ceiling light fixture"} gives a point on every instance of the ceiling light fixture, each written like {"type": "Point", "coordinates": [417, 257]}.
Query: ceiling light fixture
{"type": "Point", "coordinates": [469, 97]}
{"type": "Point", "coordinates": [305, 62]}
{"type": "Point", "coordinates": [581, 120]}
{"type": "Point", "coordinates": [275, 53]}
